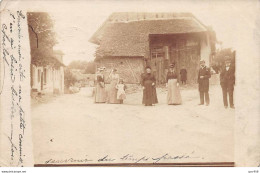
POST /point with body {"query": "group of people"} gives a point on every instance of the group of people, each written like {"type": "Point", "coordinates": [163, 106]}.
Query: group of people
{"type": "Point", "coordinates": [116, 90]}
{"type": "Point", "coordinates": [148, 83]}
{"type": "Point", "coordinates": [227, 82]}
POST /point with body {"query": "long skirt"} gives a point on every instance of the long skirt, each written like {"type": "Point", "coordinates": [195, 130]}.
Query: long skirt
{"type": "Point", "coordinates": [112, 93]}
{"type": "Point", "coordinates": [173, 95]}
{"type": "Point", "coordinates": [149, 93]}
{"type": "Point", "coordinates": [100, 94]}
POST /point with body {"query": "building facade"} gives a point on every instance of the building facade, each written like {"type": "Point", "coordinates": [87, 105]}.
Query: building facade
{"type": "Point", "coordinates": [47, 80]}
{"type": "Point", "coordinates": [47, 68]}
{"type": "Point", "coordinates": [131, 41]}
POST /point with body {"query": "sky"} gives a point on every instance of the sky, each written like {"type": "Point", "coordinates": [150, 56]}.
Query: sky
{"type": "Point", "coordinates": [77, 21]}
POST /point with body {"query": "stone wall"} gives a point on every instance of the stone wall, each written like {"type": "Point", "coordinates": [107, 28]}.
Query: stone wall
{"type": "Point", "coordinates": [128, 68]}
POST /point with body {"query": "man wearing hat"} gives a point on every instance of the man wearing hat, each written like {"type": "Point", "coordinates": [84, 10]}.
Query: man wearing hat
{"type": "Point", "coordinates": [227, 82]}
{"type": "Point", "coordinates": [203, 81]}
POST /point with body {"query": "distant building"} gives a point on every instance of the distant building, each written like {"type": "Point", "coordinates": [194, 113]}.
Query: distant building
{"type": "Point", "coordinates": [130, 41]}
{"type": "Point", "coordinates": [47, 68]}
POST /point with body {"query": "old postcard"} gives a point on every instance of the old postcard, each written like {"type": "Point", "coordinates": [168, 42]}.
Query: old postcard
{"type": "Point", "coordinates": [131, 83]}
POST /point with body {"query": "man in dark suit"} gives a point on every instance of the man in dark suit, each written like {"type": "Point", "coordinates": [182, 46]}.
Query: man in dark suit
{"type": "Point", "coordinates": [183, 73]}
{"type": "Point", "coordinates": [227, 82]}
{"type": "Point", "coordinates": [203, 81]}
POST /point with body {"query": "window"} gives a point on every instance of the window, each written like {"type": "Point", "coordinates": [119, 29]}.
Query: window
{"type": "Point", "coordinates": [157, 52]}
{"type": "Point", "coordinates": [181, 44]}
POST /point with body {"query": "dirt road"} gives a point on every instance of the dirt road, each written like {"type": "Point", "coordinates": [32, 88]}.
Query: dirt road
{"type": "Point", "coordinates": [72, 126]}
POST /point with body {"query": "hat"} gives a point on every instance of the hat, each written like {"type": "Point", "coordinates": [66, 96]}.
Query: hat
{"type": "Point", "coordinates": [172, 65]}
{"type": "Point", "coordinates": [148, 67]}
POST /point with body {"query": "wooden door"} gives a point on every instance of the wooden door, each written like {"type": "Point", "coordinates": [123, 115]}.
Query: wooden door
{"type": "Point", "coordinates": [158, 63]}
{"type": "Point", "coordinates": [187, 57]}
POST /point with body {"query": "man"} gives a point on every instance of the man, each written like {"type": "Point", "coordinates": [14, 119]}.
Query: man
{"type": "Point", "coordinates": [227, 82]}
{"type": "Point", "coordinates": [203, 80]}
{"type": "Point", "coordinates": [183, 73]}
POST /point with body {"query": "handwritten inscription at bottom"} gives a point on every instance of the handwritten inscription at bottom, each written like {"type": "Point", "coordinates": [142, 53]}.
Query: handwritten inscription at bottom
{"type": "Point", "coordinates": [128, 158]}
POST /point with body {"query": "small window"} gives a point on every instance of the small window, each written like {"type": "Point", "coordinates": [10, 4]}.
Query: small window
{"type": "Point", "coordinates": [157, 52]}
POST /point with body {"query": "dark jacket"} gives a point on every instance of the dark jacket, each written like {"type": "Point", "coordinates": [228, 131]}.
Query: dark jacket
{"type": "Point", "coordinates": [227, 78]}
{"type": "Point", "coordinates": [183, 74]}
{"type": "Point", "coordinates": [204, 82]}
{"type": "Point", "coordinates": [100, 80]}
{"type": "Point", "coordinates": [171, 75]}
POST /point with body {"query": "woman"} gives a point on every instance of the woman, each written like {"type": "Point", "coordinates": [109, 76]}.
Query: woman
{"type": "Point", "coordinates": [173, 95]}
{"type": "Point", "coordinates": [149, 90]}
{"type": "Point", "coordinates": [112, 91]}
{"type": "Point", "coordinates": [100, 92]}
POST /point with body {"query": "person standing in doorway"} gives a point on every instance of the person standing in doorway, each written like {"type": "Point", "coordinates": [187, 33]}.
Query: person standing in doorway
{"type": "Point", "coordinates": [173, 94]}
{"type": "Point", "coordinates": [183, 73]}
{"type": "Point", "coordinates": [203, 81]}
{"type": "Point", "coordinates": [149, 87]}
{"type": "Point", "coordinates": [227, 82]}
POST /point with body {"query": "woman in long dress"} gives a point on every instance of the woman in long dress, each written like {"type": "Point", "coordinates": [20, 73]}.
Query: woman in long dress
{"type": "Point", "coordinates": [149, 89]}
{"type": "Point", "coordinates": [100, 92]}
{"type": "Point", "coordinates": [173, 95]}
{"type": "Point", "coordinates": [112, 90]}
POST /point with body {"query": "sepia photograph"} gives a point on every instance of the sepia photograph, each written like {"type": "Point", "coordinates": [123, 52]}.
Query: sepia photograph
{"type": "Point", "coordinates": [150, 73]}
{"type": "Point", "coordinates": [141, 83]}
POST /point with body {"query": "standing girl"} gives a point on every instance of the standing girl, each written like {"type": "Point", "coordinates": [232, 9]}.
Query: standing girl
{"type": "Point", "coordinates": [121, 87]}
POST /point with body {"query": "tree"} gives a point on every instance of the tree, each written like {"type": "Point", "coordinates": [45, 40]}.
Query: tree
{"type": "Point", "coordinates": [85, 66]}
{"type": "Point", "coordinates": [42, 38]}
{"type": "Point", "coordinates": [69, 78]}
{"type": "Point", "coordinates": [219, 60]}
{"type": "Point", "coordinates": [90, 68]}
{"type": "Point", "coordinates": [78, 65]}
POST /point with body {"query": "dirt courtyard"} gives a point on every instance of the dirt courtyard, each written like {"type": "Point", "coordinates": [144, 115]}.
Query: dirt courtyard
{"type": "Point", "coordinates": [72, 126]}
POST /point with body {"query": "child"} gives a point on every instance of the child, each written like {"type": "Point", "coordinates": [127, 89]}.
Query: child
{"type": "Point", "coordinates": [121, 91]}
